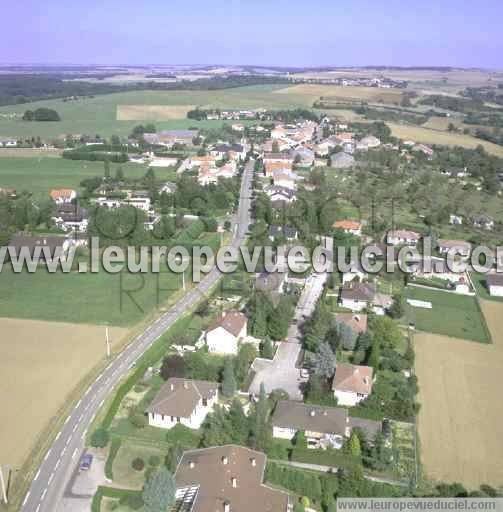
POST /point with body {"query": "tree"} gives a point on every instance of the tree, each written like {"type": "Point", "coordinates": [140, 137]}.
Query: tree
{"type": "Point", "coordinates": [100, 438]}
{"type": "Point", "coordinates": [246, 355]}
{"type": "Point", "coordinates": [173, 457]}
{"type": "Point", "coordinates": [106, 167]}
{"type": "Point", "coordinates": [375, 356]}
{"type": "Point", "coordinates": [260, 435]}
{"type": "Point", "coordinates": [323, 361]}
{"type": "Point", "coordinates": [354, 445]}
{"type": "Point", "coordinates": [300, 440]}
{"type": "Point", "coordinates": [119, 174]}
{"type": "Point", "coordinates": [159, 491]}
{"type": "Point", "coordinates": [173, 366]}
{"type": "Point", "coordinates": [229, 381]}
{"type": "Point", "coordinates": [266, 349]}
{"type": "Point", "coordinates": [240, 427]}
{"type": "Point", "coordinates": [397, 309]}
{"type": "Point", "coordinates": [279, 322]}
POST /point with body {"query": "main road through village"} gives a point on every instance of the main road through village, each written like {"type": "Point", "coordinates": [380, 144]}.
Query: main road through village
{"type": "Point", "coordinates": [47, 488]}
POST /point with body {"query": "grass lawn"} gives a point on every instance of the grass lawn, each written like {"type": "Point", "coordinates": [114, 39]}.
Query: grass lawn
{"type": "Point", "coordinates": [452, 315]}
{"type": "Point", "coordinates": [39, 175]}
{"type": "Point", "coordinates": [84, 298]}
{"type": "Point", "coordinates": [123, 472]}
{"type": "Point", "coordinates": [479, 280]}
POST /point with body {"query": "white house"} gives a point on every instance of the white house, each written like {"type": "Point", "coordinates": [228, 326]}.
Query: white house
{"type": "Point", "coordinates": [225, 334]}
{"type": "Point", "coordinates": [495, 284]}
{"type": "Point", "coordinates": [352, 383]}
{"type": "Point", "coordinates": [463, 248]}
{"type": "Point", "coordinates": [183, 401]}
{"type": "Point", "coordinates": [352, 227]}
{"type": "Point", "coordinates": [323, 427]}
{"type": "Point", "coordinates": [357, 296]}
{"type": "Point", "coordinates": [402, 237]}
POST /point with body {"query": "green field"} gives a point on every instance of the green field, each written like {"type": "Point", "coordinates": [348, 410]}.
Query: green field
{"type": "Point", "coordinates": [83, 298]}
{"type": "Point", "coordinates": [98, 115]}
{"type": "Point", "coordinates": [452, 315]}
{"type": "Point", "coordinates": [39, 175]}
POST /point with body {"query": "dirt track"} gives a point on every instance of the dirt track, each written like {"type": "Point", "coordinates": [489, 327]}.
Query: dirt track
{"type": "Point", "coordinates": [461, 417]}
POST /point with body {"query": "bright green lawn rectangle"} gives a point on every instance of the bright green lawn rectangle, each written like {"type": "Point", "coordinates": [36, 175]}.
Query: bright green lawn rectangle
{"type": "Point", "coordinates": [453, 315]}
{"type": "Point", "coordinates": [40, 175]}
{"type": "Point", "coordinates": [118, 299]}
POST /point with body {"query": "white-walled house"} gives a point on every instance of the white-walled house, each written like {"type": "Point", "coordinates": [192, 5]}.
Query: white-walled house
{"type": "Point", "coordinates": [463, 248]}
{"type": "Point", "coordinates": [357, 296]}
{"type": "Point", "coordinates": [183, 401]}
{"type": "Point", "coordinates": [356, 272]}
{"type": "Point", "coordinates": [225, 334]}
{"type": "Point", "coordinates": [495, 284]}
{"type": "Point", "coordinates": [403, 237]}
{"type": "Point", "coordinates": [352, 383]}
{"type": "Point", "coordinates": [63, 195]}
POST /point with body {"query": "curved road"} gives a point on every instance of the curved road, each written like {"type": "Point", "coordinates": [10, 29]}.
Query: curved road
{"type": "Point", "coordinates": [49, 482]}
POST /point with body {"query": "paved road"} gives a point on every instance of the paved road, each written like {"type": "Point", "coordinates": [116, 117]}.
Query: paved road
{"type": "Point", "coordinates": [281, 372]}
{"type": "Point", "coordinates": [47, 488]}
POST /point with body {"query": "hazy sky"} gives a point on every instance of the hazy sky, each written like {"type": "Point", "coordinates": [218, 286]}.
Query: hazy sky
{"type": "Point", "coordinates": [262, 32]}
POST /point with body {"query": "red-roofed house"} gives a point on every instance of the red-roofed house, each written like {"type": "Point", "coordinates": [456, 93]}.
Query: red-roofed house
{"type": "Point", "coordinates": [349, 226]}
{"type": "Point", "coordinates": [352, 383]}
{"type": "Point", "coordinates": [63, 195]}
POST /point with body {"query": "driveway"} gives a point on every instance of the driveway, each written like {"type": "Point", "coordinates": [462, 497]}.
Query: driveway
{"type": "Point", "coordinates": [281, 372]}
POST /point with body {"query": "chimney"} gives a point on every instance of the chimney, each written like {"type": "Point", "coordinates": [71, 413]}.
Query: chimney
{"type": "Point", "coordinates": [312, 413]}
{"type": "Point", "coordinates": [192, 464]}
{"type": "Point", "coordinates": [253, 462]}
{"type": "Point", "coordinates": [172, 387]}
{"type": "Point", "coordinates": [227, 506]}
{"type": "Point", "coordinates": [225, 460]}
{"type": "Point", "coordinates": [234, 482]}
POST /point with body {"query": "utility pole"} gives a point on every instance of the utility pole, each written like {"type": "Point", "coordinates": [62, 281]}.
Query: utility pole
{"type": "Point", "coordinates": [107, 340]}
{"type": "Point", "coordinates": [183, 280]}
{"type": "Point", "coordinates": [2, 483]}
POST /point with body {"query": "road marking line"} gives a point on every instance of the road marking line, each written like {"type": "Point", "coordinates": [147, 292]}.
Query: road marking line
{"type": "Point", "coordinates": [38, 508]}
{"type": "Point", "coordinates": [58, 436]}
{"type": "Point", "coordinates": [87, 392]}
{"type": "Point", "coordinates": [75, 427]}
{"type": "Point", "coordinates": [68, 440]}
{"type": "Point", "coordinates": [57, 464]}
{"type": "Point", "coordinates": [78, 404]}
{"type": "Point", "coordinates": [26, 498]}
{"type": "Point", "coordinates": [47, 454]}
{"type": "Point", "coordinates": [43, 494]}
{"type": "Point", "coordinates": [50, 478]}
{"type": "Point", "coordinates": [74, 453]}
{"type": "Point", "coordinates": [80, 418]}
{"type": "Point", "coordinates": [63, 451]}
{"type": "Point", "coordinates": [101, 404]}
{"type": "Point", "coordinates": [37, 475]}
{"type": "Point", "coordinates": [84, 434]}
{"type": "Point", "coordinates": [67, 419]}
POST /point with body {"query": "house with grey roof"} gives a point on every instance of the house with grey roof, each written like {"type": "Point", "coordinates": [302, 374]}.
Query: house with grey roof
{"type": "Point", "coordinates": [182, 401]}
{"type": "Point", "coordinates": [342, 161]}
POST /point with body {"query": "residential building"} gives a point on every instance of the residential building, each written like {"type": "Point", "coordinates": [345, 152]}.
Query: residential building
{"type": "Point", "coordinates": [352, 227]}
{"type": "Point", "coordinates": [357, 322]}
{"type": "Point", "coordinates": [355, 273]}
{"type": "Point", "coordinates": [170, 137]}
{"type": "Point", "coordinates": [342, 160]}
{"type": "Point", "coordinates": [71, 217]}
{"type": "Point", "coordinates": [279, 194]}
{"type": "Point", "coordinates": [494, 284]}
{"type": "Point", "coordinates": [226, 332]}
{"type": "Point", "coordinates": [402, 237]}
{"type": "Point", "coordinates": [8, 142]}
{"type": "Point", "coordinates": [370, 142]}
{"type": "Point", "coordinates": [357, 296]}
{"type": "Point", "coordinates": [63, 195]}
{"type": "Point", "coordinates": [231, 151]}
{"type": "Point", "coordinates": [483, 222]}
{"type": "Point", "coordinates": [455, 220]}
{"type": "Point", "coordinates": [271, 167]}
{"type": "Point", "coordinates": [303, 157]}
{"type": "Point", "coordinates": [8, 191]}
{"type": "Point", "coordinates": [463, 248]}
{"type": "Point", "coordinates": [182, 401]}
{"type": "Point", "coordinates": [287, 233]}
{"type": "Point", "coordinates": [286, 179]}
{"type": "Point", "coordinates": [41, 248]}
{"type": "Point", "coordinates": [228, 479]}
{"type": "Point", "coordinates": [352, 383]}
{"type": "Point", "coordinates": [324, 427]}
{"type": "Point", "coordinates": [168, 188]}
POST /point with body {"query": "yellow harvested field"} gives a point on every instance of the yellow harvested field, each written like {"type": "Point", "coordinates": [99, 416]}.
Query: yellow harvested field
{"type": "Point", "coordinates": [461, 415]}
{"type": "Point", "coordinates": [152, 112]}
{"type": "Point", "coordinates": [30, 152]}
{"type": "Point", "coordinates": [41, 363]}
{"type": "Point", "coordinates": [427, 136]}
{"type": "Point", "coordinates": [338, 92]}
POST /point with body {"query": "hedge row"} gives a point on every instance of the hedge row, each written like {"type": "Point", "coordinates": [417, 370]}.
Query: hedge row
{"type": "Point", "coordinates": [333, 458]}
{"type": "Point", "coordinates": [110, 492]}
{"type": "Point", "coordinates": [114, 449]}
